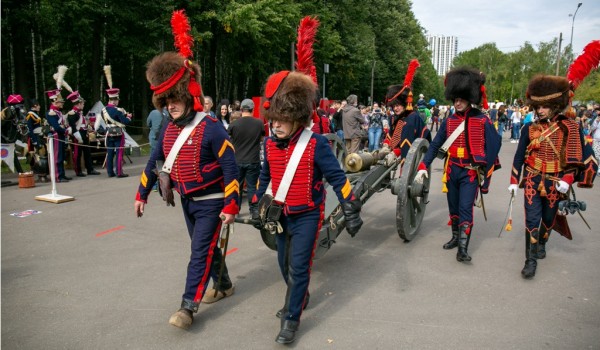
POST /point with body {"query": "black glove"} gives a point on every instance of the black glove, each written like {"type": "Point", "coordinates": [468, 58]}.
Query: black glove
{"type": "Point", "coordinates": [351, 211]}
{"type": "Point", "coordinates": [166, 189]}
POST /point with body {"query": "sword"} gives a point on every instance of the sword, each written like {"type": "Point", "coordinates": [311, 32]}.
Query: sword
{"type": "Point", "coordinates": [223, 243]}
{"type": "Point", "coordinates": [481, 203]}
{"type": "Point", "coordinates": [508, 214]}
{"type": "Point", "coordinates": [578, 210]}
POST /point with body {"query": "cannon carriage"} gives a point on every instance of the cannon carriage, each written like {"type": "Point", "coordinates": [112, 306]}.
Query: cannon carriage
{"type": "Point", "coordinates": [370, 173]}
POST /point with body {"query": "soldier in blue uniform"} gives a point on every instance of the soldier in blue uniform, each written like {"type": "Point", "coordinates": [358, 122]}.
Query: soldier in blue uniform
{"type": "Point", "coordinates": [116, 119]}
{"type": "Point", "coordinates": [471, 157]}
{"type": "Point", "coordinates": [289, 107]}
{"type": "Point", "coordinates": [204, 173]}
{"type": "Point", "coordinates": [81, 142]}
{"type": "Point", "coordinates": [34, 125]}
{"type": "Point", "coordinates": [59, 131]}
{"type": "Point", "coordinates": [407, 125]}
{"type": "Point", "coordinates": [551, 156]}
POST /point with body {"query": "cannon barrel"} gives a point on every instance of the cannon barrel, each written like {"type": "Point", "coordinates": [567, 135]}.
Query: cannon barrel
{"type": "Point", "coordinates": [356, 162]}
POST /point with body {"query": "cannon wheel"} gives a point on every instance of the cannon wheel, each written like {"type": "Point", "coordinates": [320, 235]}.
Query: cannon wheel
{"type": "Point", "coordinates": [339, 149]}
{"type": "Point", "coordinates": [268, 239]}
{"type": "Point", "coordinates": [412, 198]}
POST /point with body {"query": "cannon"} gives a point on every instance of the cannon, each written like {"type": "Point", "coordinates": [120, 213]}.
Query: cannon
{"type": "Point", "coordinates": [370, 173]}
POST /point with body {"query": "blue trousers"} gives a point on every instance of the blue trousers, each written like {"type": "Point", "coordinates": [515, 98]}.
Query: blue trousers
{"type": "Point", "coordinates": [538, 209]}
{"type": "Point", "coordinates": [249, 172]}
{"type": "Point", "coordinates": [204, 225]}
{"type": "Point", "coordinates": [516, 131]}
{"type": "Point", "coordinates": [295, 250]}
{"type": "Point", "coordinates": [462, 190]}
{"type": "Point", "coordinates": [501, 127]}
{"type": "Point", "coordinates": [114, 145]}
{"type": "Point", "coordinates": [374, 138]}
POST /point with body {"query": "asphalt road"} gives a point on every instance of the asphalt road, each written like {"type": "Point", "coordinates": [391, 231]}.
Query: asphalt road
{"type": "Point", "coordinates": [88, 274]}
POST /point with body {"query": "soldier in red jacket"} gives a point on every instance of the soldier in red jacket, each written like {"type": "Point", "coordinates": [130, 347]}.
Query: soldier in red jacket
{"type": "Point", "coordinates": [204, 173]}
{"type": "Point", "coordinates": [550, 157]}
{"type": "Point", "coordinates": [471, 157]}
{"type": "Point", "coordinates": [289, 107]}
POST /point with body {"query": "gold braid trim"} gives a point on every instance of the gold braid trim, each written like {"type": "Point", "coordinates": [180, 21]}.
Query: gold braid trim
{"type": "Point", "coordinates": [547, 97]}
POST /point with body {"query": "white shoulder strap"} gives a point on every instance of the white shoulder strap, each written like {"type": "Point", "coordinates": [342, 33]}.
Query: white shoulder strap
{"type": "Point", "coordinates": [450, 140]}
{"type": "Point", "coordinates": [185, 133]}
{"type": "Point", "coordinates": [109, 120]}
{"type": "Point", "coordinates": [290, 170]}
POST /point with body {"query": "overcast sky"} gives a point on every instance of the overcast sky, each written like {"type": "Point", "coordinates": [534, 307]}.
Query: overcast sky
{"type": "Point", "coordinates": [510, 23]}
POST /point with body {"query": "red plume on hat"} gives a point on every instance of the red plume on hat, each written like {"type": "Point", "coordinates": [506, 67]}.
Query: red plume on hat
{"type": "Point", "coordinates": [402, 94]}
{"type": "Point", "coordinates": [410, 72]}
{"type": "Point", "coordinates": [583, 65]}
{"type": "Point", "coordinates": [307, 31]}
{"type": "Point", "coordinates": [581, 68]}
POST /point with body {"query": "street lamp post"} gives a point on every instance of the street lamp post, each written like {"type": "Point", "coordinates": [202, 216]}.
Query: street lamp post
{"type": "Point", "coordinates": [325, 72]}
{"type": "Point", "coordinates": [511, 89]}
{"type": "Point", "coordinates": [573, 24]}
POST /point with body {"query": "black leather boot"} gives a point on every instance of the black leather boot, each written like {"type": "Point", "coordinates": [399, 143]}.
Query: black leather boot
{"type": "Point", "coordinates": [544, 236]}
{"type": "Point", "coordinates": [531, 247]}
{"type": "Point", "coordinates": [287, 334]}
{"type": "Point", "coordinates": [463, 243]}
{"type": "Point", "coordinates": [282, 311]}
{"type": "Point", "coordinates": [453, 242]}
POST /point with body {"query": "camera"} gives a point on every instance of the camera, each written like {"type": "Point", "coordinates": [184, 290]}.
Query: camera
{"type": "Point", "coordinates": [571, 206]}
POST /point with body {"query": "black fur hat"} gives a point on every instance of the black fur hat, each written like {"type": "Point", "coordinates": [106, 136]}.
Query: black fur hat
{"type": "Point", "coordinates": [465, 83]}
{"type": "Point", "coordinates": [548, 90]}
{"type": "Point", "coordinates": [396, 95]}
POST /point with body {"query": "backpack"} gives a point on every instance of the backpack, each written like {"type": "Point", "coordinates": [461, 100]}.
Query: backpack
{"type": "Point", "coordinates": [423, 114]}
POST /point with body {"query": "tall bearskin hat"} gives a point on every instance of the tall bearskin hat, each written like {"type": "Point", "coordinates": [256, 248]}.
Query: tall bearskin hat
{"type": "Point", "coordinates": [291, 96]}
{"type": "Point", "coordinates": [173, 74]}
{"type": "Point", "coordinates": [466, 83]}
{"type": "Point", "coordinates": [548, 90]}
{"type": "Point", "coordinates": [402, 94]}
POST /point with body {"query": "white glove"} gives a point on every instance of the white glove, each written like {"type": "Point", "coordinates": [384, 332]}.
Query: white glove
{"type": "Point", "coordinates": [513, 188]}
{"type": "Point", "coordinates": [77, 136]}
{"type": "Point", "coordinates": [68, 131]}
{"type": "Point", "coordinates": [421, 174]}
{"type": "Point", "coordinates": [561, 186]}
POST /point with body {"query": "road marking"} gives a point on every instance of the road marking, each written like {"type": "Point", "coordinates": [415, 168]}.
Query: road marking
{"type": "Point", "coordinates": [231, 251]}
{"type": "Point", "coordinates": [109, 231]}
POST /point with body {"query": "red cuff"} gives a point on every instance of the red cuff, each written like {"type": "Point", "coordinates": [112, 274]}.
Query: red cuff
{"type": "Point", "coordinates": [231, 208]}
{"type": "Point", "coordinates": [568, 178]}
{"type": "Point", "coordinates": [397, 152]}
{"type": "Point", "coordinates": [386, 142]}
{"type": "Point", "coordinates": [422, 166]}
{"type": "Point", "coordinates": [139, 198]}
